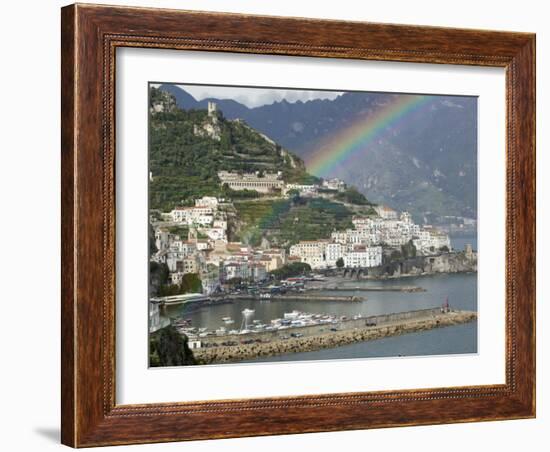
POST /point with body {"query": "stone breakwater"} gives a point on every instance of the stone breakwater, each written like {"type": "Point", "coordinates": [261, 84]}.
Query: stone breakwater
{"type": "Point", "coordinates": [331, 339]}
{"type": "Point", "coordinates": [298, 297]}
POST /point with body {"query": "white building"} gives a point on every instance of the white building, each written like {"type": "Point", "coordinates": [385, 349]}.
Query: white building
{"type": "Point", "coordinates": [202, 215]}
{"type": "Point", "coordinates": [334, 184]}
{"type": "Point", "coordinates": [236, 269]}
{"type": "Point", "coordinates": [172, 258]}
{"type": "Point", "coordinates": [207, 201]}
{"type": "Point", "coordinates": [162, 239]}
{"type": "Point", "coordinates": [220, 224]}
{"type": "Point", "coordinates": [333, 252]}
{"type": "Point", "coordinates": [303, 189]}
{"type": "Point", "coordinates": [214, 233]}
{"type": "Point", "coordinates": [252, 181]}
{"type": "Point", "coordinates": [363, 257]}
{"type": "Point", "coordinates": [310, 252]}
{"type": "Point", "coordinates": [431, 241]}
{"type": "Point", "coordinates": [257, 271]}
{"type": "Point", "coordinates": [191, 264]}
{"type": "Point", "coordinates": [386, 213]}
{"type": "Point", "coordinates": [183, 246]}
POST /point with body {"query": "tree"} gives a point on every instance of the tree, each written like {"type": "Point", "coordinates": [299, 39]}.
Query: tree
{"type": "Point", "coordinates": [408, 250]}
{"type": "Point", "coordinates": [289, 270]}
{"type": "Point", "coordinates": [152, 245]}
{"type": "Point", "coordinates": [293, 192]}
{"type": "Point", "coordinates": [353, 196]}
{"type": "Point", "coordinates": [167, 347]}
{"type": "Point", "coordinates": [340, 263]}
{"type": "Point", "coordinates": [444, 249]}
{"type": "Point", "coordinates": [234, 282]}
{"type": "Point", "coordinates": [190, 283]}
{"type": "Point", "coordinates": [396, 255]}
{"type": "Point", "coordinates": [158, 276]}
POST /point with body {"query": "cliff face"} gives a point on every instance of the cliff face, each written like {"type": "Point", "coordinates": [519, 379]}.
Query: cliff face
{"type": "Point", "coordinates": [444, 263]}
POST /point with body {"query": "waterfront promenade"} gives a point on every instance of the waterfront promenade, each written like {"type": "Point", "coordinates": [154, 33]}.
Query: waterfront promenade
{"type": "Point", "coordinates": [317, 337]}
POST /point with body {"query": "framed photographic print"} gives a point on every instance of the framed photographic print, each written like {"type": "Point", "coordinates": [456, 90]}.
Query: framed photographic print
{"type": "Point", "coordinates": [279, 225]}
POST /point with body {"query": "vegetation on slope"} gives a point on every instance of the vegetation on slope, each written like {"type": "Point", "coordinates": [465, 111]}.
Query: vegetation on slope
{"type": "Point", "coordinates": [167, 347]}
{"type": "Point", "coordinates": [184, 164]}
{"type": "Point", "coordinates": [286, 222]}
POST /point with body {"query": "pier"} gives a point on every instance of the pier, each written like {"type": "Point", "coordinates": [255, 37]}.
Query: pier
{"type": "Point", "coordinates": [234, 348]}
{"type": "Point", "coordinates": [364, 288]}
{"type": "Point", "coordinates": [297, 296]}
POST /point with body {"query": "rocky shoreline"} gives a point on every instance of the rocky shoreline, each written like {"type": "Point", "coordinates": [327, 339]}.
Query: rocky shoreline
{"type": "Point", "coordinates": [227, 354]}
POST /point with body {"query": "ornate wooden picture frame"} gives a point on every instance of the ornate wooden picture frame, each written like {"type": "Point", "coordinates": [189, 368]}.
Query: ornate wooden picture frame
{"type": "Point", "coordinates": [90, 37]}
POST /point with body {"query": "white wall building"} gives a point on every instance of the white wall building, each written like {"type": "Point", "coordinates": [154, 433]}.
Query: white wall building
{"type": "Point", "coordinates": [363, 257]}
{"type": "Point", "coordinates": [310, 252]}
{"type": "Point", "coordinates": [162, 239]}
{"type": "Point", "coordinates": [214, 233]}
{"type": "Point", "coordinates": [334, 184]}
{"type": "Point", "coordinates": [252, 181]}
{"type": "Point", "coordinates": [333, 252]}
{"type": "Point", "coordinates": [236, 269]}
{"type": "Point", "coordinates": [207, 201]}
{"type": "Point", "coordinates": [202, 215]}
{"type": "Point", "coordinates": [304, 190]}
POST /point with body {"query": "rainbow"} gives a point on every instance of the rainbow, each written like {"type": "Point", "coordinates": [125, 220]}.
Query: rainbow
{"type": "Point", "coordinates": [356, 138]}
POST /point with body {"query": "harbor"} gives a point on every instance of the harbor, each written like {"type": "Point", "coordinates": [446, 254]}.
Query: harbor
{"type": "Point", "coordinates": [349, 319]}
{"type": "Point", "coordinates": [333, 333]}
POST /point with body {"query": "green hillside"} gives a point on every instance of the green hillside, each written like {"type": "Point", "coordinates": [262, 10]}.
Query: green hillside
{"type": "Point", "coordinates": [185, 157]}
{"type": "Point", "coordinates": [189, 147]}
{"type": "Point", "coordinates": [287, 221]}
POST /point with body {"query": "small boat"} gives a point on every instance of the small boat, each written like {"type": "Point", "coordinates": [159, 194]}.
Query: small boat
{"type": "Point", "coordinates": [228, 320]}
{"type": "Point", "coordinates": [292, 315]}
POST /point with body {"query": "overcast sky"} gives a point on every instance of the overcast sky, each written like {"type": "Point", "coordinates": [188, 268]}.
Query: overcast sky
{"type": "Point", "coordinates": [254, 97]}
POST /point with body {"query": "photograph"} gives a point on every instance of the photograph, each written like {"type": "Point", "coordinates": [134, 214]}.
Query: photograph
{"type": "Point", "coordinates": [292, 224]}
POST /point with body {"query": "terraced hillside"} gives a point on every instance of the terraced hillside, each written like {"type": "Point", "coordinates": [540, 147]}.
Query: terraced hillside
{"type": "Point", "coordinates": [287, 221]}
{"type": "Point", "coordinates": [189, 147]}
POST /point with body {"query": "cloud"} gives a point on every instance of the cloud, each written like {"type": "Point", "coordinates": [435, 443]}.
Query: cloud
{"type": "Point", "coordinates": [255, 97]}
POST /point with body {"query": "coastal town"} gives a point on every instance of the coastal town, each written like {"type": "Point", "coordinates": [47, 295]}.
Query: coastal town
{"type": "Point", "coordinates": [206, 250]}
{"type": "Point", "coordinates": [259, 228]}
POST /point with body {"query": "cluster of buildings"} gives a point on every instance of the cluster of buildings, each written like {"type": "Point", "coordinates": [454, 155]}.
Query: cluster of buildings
{"type": "Point", "coordinates": [326, 253]}
{"type": "Point", "coordinates": [363, 245]}
{"type": "Point", "coordinates": [207, 252]}
{"type": "Point", "coordinates": [204, 215]}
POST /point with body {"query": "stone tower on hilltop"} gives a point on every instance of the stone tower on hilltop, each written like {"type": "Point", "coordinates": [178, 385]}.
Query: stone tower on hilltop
{"type": "Point", "coordinates": [212, 108]}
